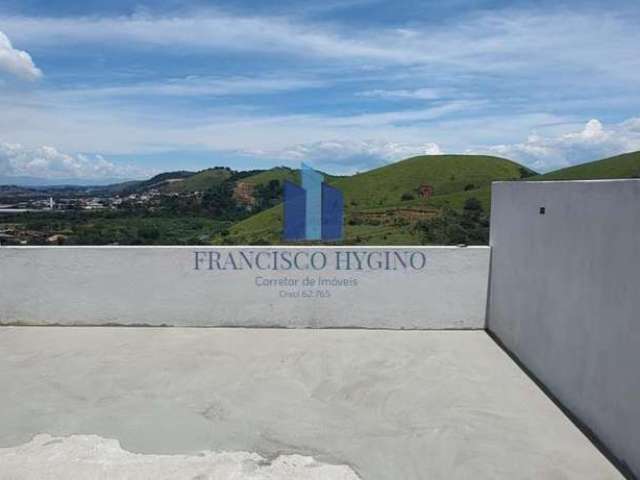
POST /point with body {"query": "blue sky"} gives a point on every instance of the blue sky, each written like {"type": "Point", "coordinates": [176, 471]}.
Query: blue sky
{"type": "Point", "coordinates": [95, 90]}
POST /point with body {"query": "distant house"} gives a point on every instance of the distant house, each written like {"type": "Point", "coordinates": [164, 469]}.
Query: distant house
{"type": "Point", "coordinates": [57, 239]}
{"type": "Point", "coordinates": [425, 191]}
{"type": "Point", "coordinates": [243, 193]}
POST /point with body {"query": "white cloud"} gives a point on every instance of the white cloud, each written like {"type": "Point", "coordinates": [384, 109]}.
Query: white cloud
{"type": "Point", "coordinates": [74, 124]}
{"type": "Point", "coordinates": [204, 30]}
{"type": "Point", "coordinates": [539, 48]}
{"type": "Point", "coordinates": [349, 156]}
{"type": "Point", "coordinates": [593, 142]}
{"type": "Point", "coordinates": [201, 86]}
{"type": "Point", "coordinates": [16, 62]}
{"type": "Point", "coordinates": [440, 110]}
{"type": "Point", "coordinates": [507, 41]}
{"type": "Point", "coordinates": [417, 94]}
{"type": "Point", "coordinates": [47, 162]}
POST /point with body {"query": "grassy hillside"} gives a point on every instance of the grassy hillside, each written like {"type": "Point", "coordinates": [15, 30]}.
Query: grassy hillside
{"type": "Point", "coordinates": [159, 181]}
{"type": "Point", "coordinates": [620, 166]}
{"type": "Point", "coordinates": [383, 226]}
{"type": "Point", "coordinates": [180, 181]}
{"type": "Point", "coordinates": [445, 173]}
{"type": "Point", "coordinates": [278, 173]}
{"type": "Point", "coordinates": [281, 174]}
{"type": "Point", "coordinates": [456, 200]}
{"type": "Point", "coordinates": [263, 226]}
{"type": "Point", "coordinates": [201, 181]}
{"type": "Point", "coordinates": [383, 205]}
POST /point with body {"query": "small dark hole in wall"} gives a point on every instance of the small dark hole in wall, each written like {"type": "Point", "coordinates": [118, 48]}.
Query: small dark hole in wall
{"type": "Point", "coordinates": [543, 210]}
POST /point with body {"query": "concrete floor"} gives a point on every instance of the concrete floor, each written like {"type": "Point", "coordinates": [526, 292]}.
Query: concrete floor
{"type": "Point", "coordinates": [384, 404]}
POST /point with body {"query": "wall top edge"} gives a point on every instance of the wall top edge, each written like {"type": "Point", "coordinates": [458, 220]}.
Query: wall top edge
{"type": "Point", "coordinates": [556, 182]}
{"type": "Point", "coordinates": [231, 247]}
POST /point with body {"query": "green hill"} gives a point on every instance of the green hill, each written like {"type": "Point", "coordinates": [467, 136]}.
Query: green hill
{"type": "Point", "coordinates": [445, 173]}
{"type": "Point", "coordinates": [383, 205]}
{"type": "Point", "coordinates": [160, 181]}
{"type": "Point", "coordinates": [201, 181]}
{"type": "Point", "coordinates": [620, 166]}
{"type": "Point", "coordinates": [182, 181]}
{"type": "Point", "coordinates": [278, 173]}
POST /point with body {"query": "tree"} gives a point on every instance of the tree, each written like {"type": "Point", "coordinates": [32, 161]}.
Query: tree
{"type": "Point", "coordinates": [452, 227]}
{"type": "Point", "coordinates": [407, 196]}
{"type": "Point", "coordinates": [267, 195]}
{"type": "Point", "coordinates": [472, 204]}
{"type": "Point", "coordinates": [526, 173]}
{"type": "Point", "coordinates": [218, 201]}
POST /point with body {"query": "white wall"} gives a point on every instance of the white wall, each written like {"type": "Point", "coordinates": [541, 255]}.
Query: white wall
{"type": "Point", "coordinates": [565, 297]}
{"type": "Point", "coordinates": [160, 285]}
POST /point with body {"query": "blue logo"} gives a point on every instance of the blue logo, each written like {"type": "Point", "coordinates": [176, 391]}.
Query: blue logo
{"type": "Point", "coordinates": [313, 211]}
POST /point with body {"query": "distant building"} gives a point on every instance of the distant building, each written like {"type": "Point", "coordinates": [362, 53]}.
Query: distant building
{"type": "Point", "coordinates": [57, 239]}
{"type": "Point", "coordinates": [243, 193]}
{"type": "Point", "coordinates": [425, 191]}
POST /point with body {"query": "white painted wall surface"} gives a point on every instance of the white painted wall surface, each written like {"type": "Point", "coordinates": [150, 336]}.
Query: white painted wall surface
{"type": "Point", "coordinates": [160, 286]}
{"type": "Point", "coordinates": [565, 297]}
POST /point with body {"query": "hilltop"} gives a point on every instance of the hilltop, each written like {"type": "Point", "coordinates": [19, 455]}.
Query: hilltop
{"type": "Point", "coordinates": [158, 181]}
{"type": "Point", "coordinates": [383, 205]}
{"type": "Point", "coordinates": [182, 181]}
{"type": "Point", "coordinates": [446, 174]}
{"type": "Point", "coordinates": [432, 199]}
{"type": "Point", "coordinates": [279, 174]}
{"type": "Point", "coordinates": [626, 165]}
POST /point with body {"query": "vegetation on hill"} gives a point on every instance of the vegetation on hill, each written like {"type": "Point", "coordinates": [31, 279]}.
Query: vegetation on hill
{"type": "Point", "coordinates": [385, 205]}
{"type": "Point", "coordinates": [181, 181]}
{"type": "Point", "coordinates": [202, 181]}
{"type": "Point", "coordinates": [469, 226]}
{"type": "Point", "coordinates": [440, 199]}
{"type": "Point", "coordinates": [280, 174]}
{"type": "Point", "coordinates": [157, 181]}
{"type": "Point", "coordinates": [116, 227]}
{"type": "Point", "coordinates": [444, 173]}
{"type": "Point", "coordinates": [162, 177]}
{"type": "Point", "coordinates": [621, 166]}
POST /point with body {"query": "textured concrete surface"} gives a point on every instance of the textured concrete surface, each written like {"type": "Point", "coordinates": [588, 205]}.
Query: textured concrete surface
{"type": "Point", "coordinates": [160, 286]}
{"type": "Point", "coordinates": [564, 297]}
{"type": "Point", "coordinates": [387, 404]}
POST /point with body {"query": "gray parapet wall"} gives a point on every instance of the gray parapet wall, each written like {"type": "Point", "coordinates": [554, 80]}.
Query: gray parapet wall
{"type": "Point", "coordinates": [565, 297]}
{"type": "Point", "coordinates": [373, 287]}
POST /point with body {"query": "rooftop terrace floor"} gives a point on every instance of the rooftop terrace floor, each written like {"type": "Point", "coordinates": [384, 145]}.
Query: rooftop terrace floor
{"type": "Point", "coordinates": [363, 403]}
